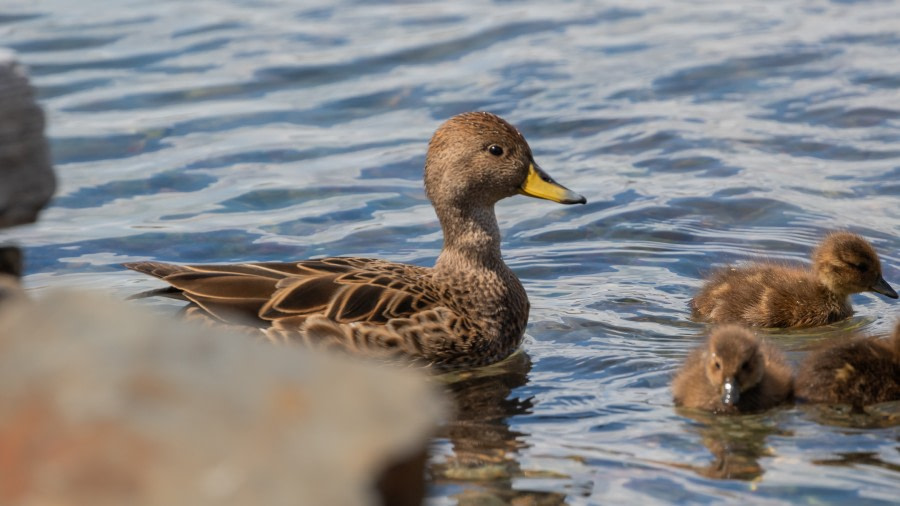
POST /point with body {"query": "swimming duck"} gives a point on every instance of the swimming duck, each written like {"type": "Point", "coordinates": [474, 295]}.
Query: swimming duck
{"type": "Point", "coordinates": [859, 372]}
{"type": "Point", "coordinates": [733, 372]}
{"type": "Point", "coordinates": [467, 310]}
{"type": "Point", "coordinates": [767, 294]}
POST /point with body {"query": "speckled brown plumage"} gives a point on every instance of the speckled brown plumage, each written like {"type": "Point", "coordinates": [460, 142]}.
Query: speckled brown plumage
{"type": "Point", "coordinates": [766, 294]}
{"type": "Point", "coordinates": [468, 310]}
{"type": "Point", "coordinates": [859, 372]}
{"type": "Point", "coordinates": [758, 375]}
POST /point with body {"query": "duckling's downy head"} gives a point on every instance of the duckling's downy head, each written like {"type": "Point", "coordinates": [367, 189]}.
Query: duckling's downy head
{"type": "Point", "coordinates": [734, 363]}
{"type": "Point", "coordinates": [846, 263]}
{"type": "Point", "coordinates": [476, 158]}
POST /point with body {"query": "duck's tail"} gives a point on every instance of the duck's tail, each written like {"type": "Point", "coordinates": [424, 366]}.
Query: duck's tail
{"type": "Point", "coordinates": [157, 270]}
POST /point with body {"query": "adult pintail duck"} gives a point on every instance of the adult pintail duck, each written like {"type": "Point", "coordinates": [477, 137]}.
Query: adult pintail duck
{"type": "Point", "coordinates": [765, 294]}
{"type": "Point", "coordinates": [859, 372]}
{"type": "Point", "coordinates": [733, 372]}
{"type": "Point", "coordinates": [467, 310]}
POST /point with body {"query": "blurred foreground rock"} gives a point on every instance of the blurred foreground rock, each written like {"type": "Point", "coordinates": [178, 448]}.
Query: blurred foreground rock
{"type": "Point", "coordinates": [102, 404]}
{"type": "Point", "coordinates": [26, 174]}
{"type": "Point", "coordinates": [11, 261]}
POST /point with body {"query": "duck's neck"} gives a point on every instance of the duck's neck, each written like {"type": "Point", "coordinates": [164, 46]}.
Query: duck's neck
{"type": "Point", "coordinates": [825, 278]}
{"type": "Point", "coordinates": [471, 240]}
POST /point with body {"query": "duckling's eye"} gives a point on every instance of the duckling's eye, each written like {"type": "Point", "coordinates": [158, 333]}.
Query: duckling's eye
{"type": "Point", "coordinates": [718, 365]}
{"type": "Point", "coordinates": [745, 366]}
{"type": "Point", "coordinates": [495, 150]}
{"type": "Point", "coordinates": [861, 267]}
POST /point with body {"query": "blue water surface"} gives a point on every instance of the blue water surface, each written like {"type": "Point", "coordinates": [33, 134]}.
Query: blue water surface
{"type": "Point", "coordinates": [701, 133]}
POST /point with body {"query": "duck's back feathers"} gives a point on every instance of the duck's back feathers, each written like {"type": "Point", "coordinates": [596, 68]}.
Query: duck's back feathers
{"type": "Point", "coordinates": [859, 372]}
{"type": "Point", "coordinates": [368, 306]}
{"type": "Point", "coordinates": [343, 289]}
{"type": "Point", "coordinates": [373, 291]}
{"type": "Point", "coordinates": [768, 295]}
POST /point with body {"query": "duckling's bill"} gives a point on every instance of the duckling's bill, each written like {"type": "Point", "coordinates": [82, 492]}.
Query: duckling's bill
{"type": "Point", "coordinates": [881, 286]}
{"type": "Point", "coordinates": [540, 185]}
{"type": "Point", "coordinates": [730, 393]}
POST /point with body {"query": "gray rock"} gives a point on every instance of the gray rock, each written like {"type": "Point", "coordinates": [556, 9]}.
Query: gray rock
{"type": "Point", "coordinates": [26, 173]}
{"type": "Point", "coordinates": [11, 261]}
{"type": "Point", "coordinates": [101, 403]}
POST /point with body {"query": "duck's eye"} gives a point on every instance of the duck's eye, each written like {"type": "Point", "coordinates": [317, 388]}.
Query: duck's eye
{"type": "Point", "coordinates": [495, 150]}
{"type": "Point", "coordinates": [745, 366]}
{"type": "Point", "coordinates": [718, 365]}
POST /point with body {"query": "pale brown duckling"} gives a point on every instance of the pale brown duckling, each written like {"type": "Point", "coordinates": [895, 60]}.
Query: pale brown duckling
{"type": "Point", "coordinates": [468, 310]}
{"type": "Point", "coordinates": [859, 372]}
{"type": "Point", "coordinates": [733, 372]}
{"type": "Point", "coordinates": [765, 294]}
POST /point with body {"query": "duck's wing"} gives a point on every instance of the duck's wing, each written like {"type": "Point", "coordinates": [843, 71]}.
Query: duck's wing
{"type": "Point", "coordinates": [340, 288]}
{"type": "Point", "coordinates": [373, 291]}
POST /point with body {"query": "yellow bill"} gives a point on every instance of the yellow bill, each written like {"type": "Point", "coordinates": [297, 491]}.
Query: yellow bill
{"type": "Point", "coordinates": [540, 185]}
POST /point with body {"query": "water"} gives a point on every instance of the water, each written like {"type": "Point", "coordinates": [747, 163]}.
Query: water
{"type": "Point", "coordinates": [700, 133]}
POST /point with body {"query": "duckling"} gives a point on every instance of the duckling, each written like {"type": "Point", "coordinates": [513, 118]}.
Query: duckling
{"type": "Point", "coordinates": [766, 294]}
{"type": "Point", "coordinates": [733, 372]}
{"type": "Point", "coordinates": [859, 372]}
{"type": "Point", "coordinates": [468, 310]}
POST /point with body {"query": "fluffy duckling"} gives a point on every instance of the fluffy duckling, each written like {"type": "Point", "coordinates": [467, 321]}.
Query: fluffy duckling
{"type": "Point", "coordinates": [766, 294]}
{"type": "Point", "coordinates": [468, 310]}
{"type": "Point", "coordinates": [859, 372]}
{"type": "Point", "coordinates": [734, 372]}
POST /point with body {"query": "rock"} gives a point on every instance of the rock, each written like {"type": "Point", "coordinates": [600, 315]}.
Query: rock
{"type": "Point", "coordinates": [26, 174]}
{"type": "Point", "coordinates": [10, 289]}
{"type": "Point", "coordinates": [11, 261]}
{"type": "Point", "coordinates": [102, 404]}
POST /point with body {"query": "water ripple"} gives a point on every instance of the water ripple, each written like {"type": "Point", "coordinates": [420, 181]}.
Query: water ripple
{"type": "Point", "coordinates": [222, 130]}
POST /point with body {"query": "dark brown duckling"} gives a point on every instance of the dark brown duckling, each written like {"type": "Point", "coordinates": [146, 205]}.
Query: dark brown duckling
{"type": "Point", "coordinates": [859, 372]}
{"type": "Point", "coordinates": [766, 294]}
{"type": "Point", "coordinates": [734, 372]}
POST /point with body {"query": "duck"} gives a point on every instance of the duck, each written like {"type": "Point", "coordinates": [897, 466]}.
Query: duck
{"type": "Point", "coordinates": [733, 372]}
{"type": "Point", "coordinates": [768, 294]}
{"type": "Point", "coordinates": [468, 310]}
{"type": "Point", "coordinates": [860, 371]}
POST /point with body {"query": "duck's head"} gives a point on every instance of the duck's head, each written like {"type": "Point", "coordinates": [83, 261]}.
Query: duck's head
{"type": "Point", "coordinates": [846, 263]}
{"type": "Point", "coordinates": [734, 363]}
{"type": "Point", "coordinates": [476, 159]}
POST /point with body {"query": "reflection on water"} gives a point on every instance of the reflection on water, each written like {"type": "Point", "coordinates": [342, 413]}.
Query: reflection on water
{"type": "Point", "coordinates": [736, 443]}
{"type": "Point", "coordinates": [483, 448]}
{"type": "Point", "coordinates": [701, 134]}
{"type": "Point", "coordinates": [884, 415]}
{"type": "Point", "coordinates": [857, 459]}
